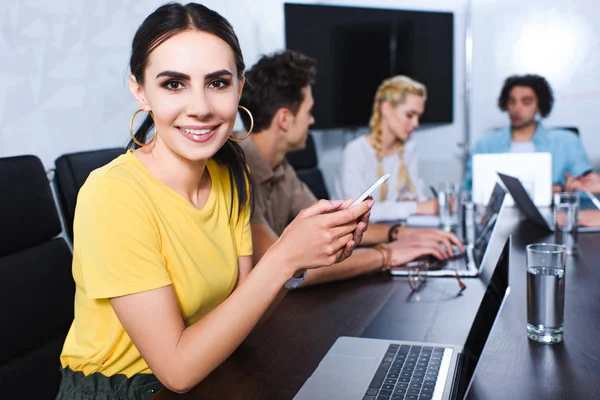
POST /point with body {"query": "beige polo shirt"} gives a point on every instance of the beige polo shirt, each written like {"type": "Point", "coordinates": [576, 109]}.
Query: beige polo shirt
{"type": "Point", "coordinates": [279, 194]}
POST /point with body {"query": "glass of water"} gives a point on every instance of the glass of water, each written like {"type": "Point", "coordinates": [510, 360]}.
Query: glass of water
{"type": "Point", "coordinates": [566, 217]}
{"type": "Point", "coordinates": [447, 201]}
{"type": "Point", "coordinates": [546, 292]}
{"type": "Point", "coordinates": [466, 216]}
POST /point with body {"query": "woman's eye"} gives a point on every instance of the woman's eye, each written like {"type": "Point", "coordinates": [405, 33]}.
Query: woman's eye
{"type": "Point", "coordinates": [173, 85]}
{"type": "Point", "coordinates": [218, 84]}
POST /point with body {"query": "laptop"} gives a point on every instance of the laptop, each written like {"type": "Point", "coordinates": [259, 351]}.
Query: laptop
{"type": "Point", "coordinates": [529, 209]}
{"type": "Point", "coordinates": [373, 369]}
{"type": "Point", "coordinates": [469, 263]}
{"type": "Point", "coordinates": [534, 170]}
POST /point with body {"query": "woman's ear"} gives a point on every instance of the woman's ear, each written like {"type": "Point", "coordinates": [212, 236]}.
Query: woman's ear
{"type": "Point", "coordinates": [138, 92]}
{"type": "Point", "coordinates": [384, 108]}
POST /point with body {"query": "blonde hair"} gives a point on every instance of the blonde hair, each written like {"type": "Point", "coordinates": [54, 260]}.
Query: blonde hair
{"type": "Point", "coordinates": [393, 91]}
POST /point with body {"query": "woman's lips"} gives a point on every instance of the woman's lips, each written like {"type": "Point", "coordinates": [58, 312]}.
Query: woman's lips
{"type": "Point", "coordinates": [198, 134]}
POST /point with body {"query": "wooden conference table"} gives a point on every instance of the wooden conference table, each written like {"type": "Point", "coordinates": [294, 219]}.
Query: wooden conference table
{"type": "Point", "coordinates": [277, 358]}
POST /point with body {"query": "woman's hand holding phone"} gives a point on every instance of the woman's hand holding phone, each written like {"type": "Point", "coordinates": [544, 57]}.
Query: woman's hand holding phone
{"type": "Point", "coordinates": [361, 227]}
{"type": "Point", "coordinates": [322, 234]}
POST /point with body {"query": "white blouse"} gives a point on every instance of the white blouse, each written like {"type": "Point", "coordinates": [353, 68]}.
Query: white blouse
{"type": "Point", "coordinates": [358, 170]}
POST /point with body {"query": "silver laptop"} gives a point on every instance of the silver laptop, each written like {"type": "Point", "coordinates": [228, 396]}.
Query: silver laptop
{"type": "Point", "coordinates": [469, 263]}
{"type": "Point", "coordinates": [373, 369]}
{"type": "Point", "coordinates": [529, 209]}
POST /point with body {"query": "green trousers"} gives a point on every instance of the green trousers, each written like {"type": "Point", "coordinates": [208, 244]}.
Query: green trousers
{"type": "Point", "coordinates": [76, 386]}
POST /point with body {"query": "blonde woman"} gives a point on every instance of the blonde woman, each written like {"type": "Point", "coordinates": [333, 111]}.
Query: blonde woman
{"type": "Point", "coordinates": [399, 103]}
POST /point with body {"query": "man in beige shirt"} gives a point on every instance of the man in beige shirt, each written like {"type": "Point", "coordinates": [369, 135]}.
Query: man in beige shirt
{"type": "Point", "coordinates": [279, 194]}
{"type": "Point", "coordinates": [278, 94]}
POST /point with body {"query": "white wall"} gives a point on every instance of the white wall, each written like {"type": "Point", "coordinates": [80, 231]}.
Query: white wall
{"type": "Point", "coordinates": [64, 74]}
{"type": "Point", "coordinates": [554, 38]}
{"type": "Point", "coordinates": [64, 69]}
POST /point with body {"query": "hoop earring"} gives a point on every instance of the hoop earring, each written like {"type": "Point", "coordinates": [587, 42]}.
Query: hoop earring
{"type": "Point", "coordinates": [133, 134]}
{"type": "Point", "coordinates": [249, 130]}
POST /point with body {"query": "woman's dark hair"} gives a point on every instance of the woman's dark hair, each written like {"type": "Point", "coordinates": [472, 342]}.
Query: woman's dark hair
{"type": "Point", "coordinates": [540, 86]}
{"type": "Point", "coordinates": [276, 81]}
{"type": "Point", "coordinates": [166, 22]}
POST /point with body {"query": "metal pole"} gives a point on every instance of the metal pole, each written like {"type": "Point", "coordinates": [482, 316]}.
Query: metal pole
{"type": "Point", "coordinates": [466, 148]}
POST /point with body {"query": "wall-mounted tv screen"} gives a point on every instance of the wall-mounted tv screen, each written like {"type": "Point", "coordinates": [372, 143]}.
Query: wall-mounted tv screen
{"type": "Point", "coordinates": [357, 48]}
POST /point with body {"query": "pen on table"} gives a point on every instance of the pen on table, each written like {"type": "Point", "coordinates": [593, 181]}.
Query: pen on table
{"type": "Point", "coordinates": [593, 198]}
{"type": "Point", "coordinates": [435, 193]}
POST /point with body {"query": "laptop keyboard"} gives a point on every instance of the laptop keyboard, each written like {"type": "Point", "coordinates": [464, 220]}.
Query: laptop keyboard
{"type": "Point", "coordinates": [406, 372]}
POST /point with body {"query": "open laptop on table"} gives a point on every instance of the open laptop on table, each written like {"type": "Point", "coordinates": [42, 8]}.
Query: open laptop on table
{"type": "Point", "coordinates": [534, 169]}
{"type": "Point", "coordinates": [373, 369]}
{"type": "Point", "coordinates": [469, 263]}
{"type": "Point", "coordinates": [529, 209]}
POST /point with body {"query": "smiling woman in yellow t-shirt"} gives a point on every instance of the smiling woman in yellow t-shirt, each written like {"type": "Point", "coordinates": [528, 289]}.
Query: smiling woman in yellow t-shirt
{"type": "Point", "coordinates": [162, 250]}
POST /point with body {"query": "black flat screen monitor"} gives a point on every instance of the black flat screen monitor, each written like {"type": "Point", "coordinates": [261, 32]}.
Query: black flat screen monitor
{"type": "Point", "coordinates": [357, 48]}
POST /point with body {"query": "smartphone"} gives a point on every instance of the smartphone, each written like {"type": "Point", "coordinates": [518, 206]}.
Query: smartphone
{"type": "Point", "coordinates": [370, 190]}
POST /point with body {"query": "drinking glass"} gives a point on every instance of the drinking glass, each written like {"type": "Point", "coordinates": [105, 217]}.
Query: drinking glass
{"type": "Point", "coordinates": [566, 218]}
{"type": "Point", "coordinates": [545, 292]}
{"type": "Point", "coordinates": [447, 195]}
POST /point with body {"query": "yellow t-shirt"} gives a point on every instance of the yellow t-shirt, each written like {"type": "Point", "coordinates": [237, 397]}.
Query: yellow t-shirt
{"type": "Point", "coordinates": [133, 234]}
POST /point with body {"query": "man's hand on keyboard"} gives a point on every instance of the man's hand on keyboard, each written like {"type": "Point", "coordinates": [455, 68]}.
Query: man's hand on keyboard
{"type": "Point", "coordinates": [446, 239]}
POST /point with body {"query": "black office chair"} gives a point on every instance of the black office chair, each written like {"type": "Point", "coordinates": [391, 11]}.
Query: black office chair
{"type": "Point", "coordinates": [306, 166]}
{"type": "Point", "coordinates": [573, 129]}
{"type": "Point", "coordinates": [70, 174]}
{"type": "Point", "coordinates": [36, 285]}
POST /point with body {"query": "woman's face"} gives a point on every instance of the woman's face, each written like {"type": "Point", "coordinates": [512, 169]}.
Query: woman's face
{"type": "Point", "coordinates": [402, 119]}
{"type": "Point", "coordinates": [191, 86]}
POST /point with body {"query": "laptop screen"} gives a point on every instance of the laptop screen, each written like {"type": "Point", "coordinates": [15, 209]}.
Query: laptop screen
{"type": "Point", "coordinates": [496, 282]}
{"type": "Point", "coordinates": [494, 204]}
{"type": "Point", "coordinates": [522, 200]}
{"type": "Point", "coordinates": [487, 223]}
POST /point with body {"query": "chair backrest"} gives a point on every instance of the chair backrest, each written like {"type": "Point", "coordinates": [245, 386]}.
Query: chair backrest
{"type": "Point", "coordinates": [70, 174]}
{"type": "Point", "coordinates": [573, 129]}
{"type": "Point", "coordinates": [306, 166]}
{"type": "Point", "coordinates": [36, 285]}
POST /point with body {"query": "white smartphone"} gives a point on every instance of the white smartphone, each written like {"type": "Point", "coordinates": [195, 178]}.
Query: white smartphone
{"type": "Point", "coordinates": [370, 190]}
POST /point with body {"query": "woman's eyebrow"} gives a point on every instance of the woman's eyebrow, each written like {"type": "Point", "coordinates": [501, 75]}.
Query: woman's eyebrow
{"type": "Point", "coordinates": [216, 74]}
{"type": "Point", "coordinates": [174, 74]}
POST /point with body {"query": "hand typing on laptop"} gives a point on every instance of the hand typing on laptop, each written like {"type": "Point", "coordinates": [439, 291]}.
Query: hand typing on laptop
{"type": "Point", "coordinates": [455, 250]}
{"type": "Point", "coordinates": [428, 243]}
{"type": "Point", "coordinates": [405, 250]}
{"type": "Point", "coordinates": [448, 240]}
